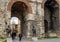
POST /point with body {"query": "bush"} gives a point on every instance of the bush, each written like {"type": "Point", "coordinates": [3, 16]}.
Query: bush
{"type": "Point", "coordinates": [47, 36]}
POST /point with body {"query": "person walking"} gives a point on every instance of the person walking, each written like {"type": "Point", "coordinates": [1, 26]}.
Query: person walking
{"type": "Point", "coordinates": [20, 37]}
{"type": "Point", "coordinates": [13, 35]}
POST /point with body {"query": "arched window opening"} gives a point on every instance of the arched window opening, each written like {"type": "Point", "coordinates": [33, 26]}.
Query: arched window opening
{"type": "Point", "coordinates": [51, 14]}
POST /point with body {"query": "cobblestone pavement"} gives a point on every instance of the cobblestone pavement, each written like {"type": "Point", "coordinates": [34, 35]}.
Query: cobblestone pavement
{"type": "Point", "coordinates": [45, 40]}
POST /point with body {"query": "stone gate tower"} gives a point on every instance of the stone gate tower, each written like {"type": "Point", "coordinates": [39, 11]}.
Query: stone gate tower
{"type": "Point", "coordinates": [32, 14]}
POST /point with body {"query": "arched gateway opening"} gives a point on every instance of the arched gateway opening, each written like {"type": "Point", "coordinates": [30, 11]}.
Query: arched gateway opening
{"type": "Point", "coordinates": [19, 10]}
{"type": "Point", "coordinates": [51, 15]}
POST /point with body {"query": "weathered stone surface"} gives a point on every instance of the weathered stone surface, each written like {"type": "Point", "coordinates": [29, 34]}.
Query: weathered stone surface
{"type": "Point", "coordinates": [36, 15]}
{"type": "Point", "coordinates": [30, 17]}
{"type": "Point", "coordinates": [2, 25]}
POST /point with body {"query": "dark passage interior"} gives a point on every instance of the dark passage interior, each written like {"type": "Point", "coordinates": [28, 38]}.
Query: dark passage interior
{"type": "Point", "coordinates": [19, 10]}
{"type": "Point", "coordinates": [51, 15]}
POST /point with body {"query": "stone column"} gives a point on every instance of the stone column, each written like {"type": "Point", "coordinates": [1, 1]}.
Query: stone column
{"type": "Point", "coordinates": [2, 23]}
{"type": "Point", "coordinates": [33, 5]}
{"type": "Point", "coordinates": [39, 15]}
{"type": "Point", "coordinates": [41, 19]}
{"type": "Point", "coordinates": [29, 18]}
{"type": "Point", "coordinates": [8, 19]}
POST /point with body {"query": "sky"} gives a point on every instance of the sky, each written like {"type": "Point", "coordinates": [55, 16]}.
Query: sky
{"type": "Point", "coordinates": [14, 20]}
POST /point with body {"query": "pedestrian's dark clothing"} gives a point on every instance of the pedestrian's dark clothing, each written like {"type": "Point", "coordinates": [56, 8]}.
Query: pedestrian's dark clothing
{"type": "Point", "coordinates": [13, 35]}
{"type": "Point", "coordinates": [20, 37]}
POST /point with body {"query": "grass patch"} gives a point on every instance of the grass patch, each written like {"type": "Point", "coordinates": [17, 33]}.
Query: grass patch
{"type": "Point", "coordinates": [47, 37]}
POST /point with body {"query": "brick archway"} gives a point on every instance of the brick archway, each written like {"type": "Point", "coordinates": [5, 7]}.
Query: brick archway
{"type": "Point", "coordinates": [43, 2]}
{"type": "Point", "coordinates": [13, 1]}
{"type": "Point", "coordinates": [18, 9]}
{"type": "Point", "coordinates": [51, 14]}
